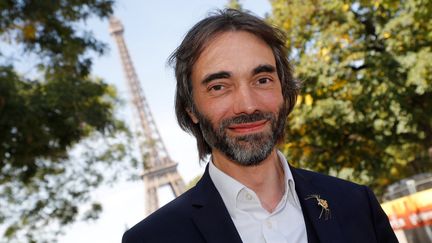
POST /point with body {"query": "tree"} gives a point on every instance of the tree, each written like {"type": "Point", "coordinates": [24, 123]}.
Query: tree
{"type": "Point", "coordinates": [58, 134]}
{"type": "Point", "coordinates": [364, 112]}
{"type": "Point", "coordinates": [234, 4]}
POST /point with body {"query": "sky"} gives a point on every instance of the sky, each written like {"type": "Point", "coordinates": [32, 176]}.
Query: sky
{"type": "Point", "coordinates": [153, 29]}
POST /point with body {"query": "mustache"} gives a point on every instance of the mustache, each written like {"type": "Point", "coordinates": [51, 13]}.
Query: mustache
{"type": "Point", "coordinates": [246, 118]}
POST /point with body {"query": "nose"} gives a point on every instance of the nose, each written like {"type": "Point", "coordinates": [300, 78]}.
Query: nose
{"type": "Point", "coordinates": [245, 102]}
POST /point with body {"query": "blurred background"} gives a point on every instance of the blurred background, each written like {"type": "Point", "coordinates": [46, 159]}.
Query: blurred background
{"type": "Point", "coordinates": [74, 151]}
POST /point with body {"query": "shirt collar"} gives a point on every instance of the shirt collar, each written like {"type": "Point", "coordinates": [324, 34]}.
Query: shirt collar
{"type": "Point", "coordinates": [229, 188]}
{"type": "Point", "coordinates": [290, 192]}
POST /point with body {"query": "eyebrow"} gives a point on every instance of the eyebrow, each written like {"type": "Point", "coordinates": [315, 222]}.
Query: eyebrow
{"type": "Point", "coordinates": [264, 68]}
{"type": "Point", "coordinates": [213, 76]}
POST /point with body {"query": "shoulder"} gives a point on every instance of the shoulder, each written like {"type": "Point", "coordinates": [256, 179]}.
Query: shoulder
{"type": "Point", "coordinates": [353, 204]}
{"type": "Point", "coordinates": [174, 221]}
{"type": "Point", "coordinates": [342, 192]}
{"type": "Point", "coordinates": [164, 222]}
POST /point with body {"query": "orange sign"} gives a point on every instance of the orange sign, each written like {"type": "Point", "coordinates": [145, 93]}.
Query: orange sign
{"type": "Point", "coordinates": [410, 211]}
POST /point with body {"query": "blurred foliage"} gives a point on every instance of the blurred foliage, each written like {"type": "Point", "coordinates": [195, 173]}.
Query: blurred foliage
{"type": "Point", "coordinates": [59, 138]}
{"type": "Point", "coordinates": [365, 111]}
{"type": "Point", "coordinates": [234, 4]}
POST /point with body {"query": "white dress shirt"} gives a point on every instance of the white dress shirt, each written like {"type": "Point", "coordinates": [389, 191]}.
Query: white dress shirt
{"type": "Point", "coordinates": [253, 222]}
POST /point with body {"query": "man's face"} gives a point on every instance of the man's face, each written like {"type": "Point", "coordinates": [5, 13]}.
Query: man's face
{"type": "Point", "coordinates": [238, 98]}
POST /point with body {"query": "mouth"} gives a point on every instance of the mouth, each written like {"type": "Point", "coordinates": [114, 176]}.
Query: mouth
{"type": "Point", "coordinates": [249, 127]}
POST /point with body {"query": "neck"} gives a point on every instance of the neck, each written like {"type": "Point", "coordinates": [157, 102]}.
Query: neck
{"type": "Point", "coordinates": [265, 179]}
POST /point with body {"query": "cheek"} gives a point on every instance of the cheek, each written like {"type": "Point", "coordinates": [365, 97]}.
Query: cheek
{"type": "Point", "coordinates": [271, 100]}
{"type": "Point", "coordinates": [215, 110]}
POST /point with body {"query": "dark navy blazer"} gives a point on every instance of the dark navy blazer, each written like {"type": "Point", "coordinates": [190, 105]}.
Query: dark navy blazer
{"type": "Point", "coordinates": [199, 215]}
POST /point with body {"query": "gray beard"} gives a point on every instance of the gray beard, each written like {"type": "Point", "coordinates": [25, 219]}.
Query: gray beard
{"type": "Point", "coordinates": [247, 150]}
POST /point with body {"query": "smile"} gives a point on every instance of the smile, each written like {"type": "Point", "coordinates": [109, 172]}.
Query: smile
{"type": "Point", "coordinates": [248, 127]}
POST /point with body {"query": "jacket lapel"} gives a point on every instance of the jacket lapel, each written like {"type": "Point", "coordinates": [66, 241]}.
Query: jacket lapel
{"type": "Point", "coordinates": [325, 230]}
{"type": "Point", "coordinates": [211, 216]}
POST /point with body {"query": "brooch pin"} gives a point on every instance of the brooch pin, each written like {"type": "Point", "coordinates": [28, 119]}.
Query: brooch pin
{"type": "Point", "coordinates": [323, 204]}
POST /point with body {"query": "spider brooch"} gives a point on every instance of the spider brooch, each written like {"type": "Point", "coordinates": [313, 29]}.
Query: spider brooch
{"type": "Point", "coordinates": [323, 204]}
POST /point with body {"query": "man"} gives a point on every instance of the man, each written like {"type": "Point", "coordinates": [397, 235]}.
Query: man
{"type": "Point", "coordinates": [234, 91]}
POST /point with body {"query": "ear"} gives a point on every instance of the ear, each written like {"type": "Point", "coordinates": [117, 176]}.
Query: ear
{"type": "Point", "coordinates": [192, 116]}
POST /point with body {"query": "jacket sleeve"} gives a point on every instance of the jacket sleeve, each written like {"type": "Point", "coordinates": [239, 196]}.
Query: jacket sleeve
{"type": "Point", "coordinates": [383, 231]}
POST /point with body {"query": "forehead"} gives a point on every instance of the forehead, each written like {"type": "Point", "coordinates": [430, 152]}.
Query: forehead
{"type": "Point", "coordinates": [233, 50]}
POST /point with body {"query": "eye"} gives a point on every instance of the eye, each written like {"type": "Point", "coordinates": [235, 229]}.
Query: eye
{"type": "Point", "coordinates": [216, 87]}
{"type": "Point", "coordinates": [264, 80]}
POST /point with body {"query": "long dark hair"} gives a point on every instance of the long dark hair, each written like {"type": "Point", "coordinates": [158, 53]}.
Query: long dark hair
{"type": "Point", "coordinates": [185, 56]}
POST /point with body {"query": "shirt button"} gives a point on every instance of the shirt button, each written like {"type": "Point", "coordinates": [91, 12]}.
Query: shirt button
{"type": "Point", "coordinates": [248, 196]}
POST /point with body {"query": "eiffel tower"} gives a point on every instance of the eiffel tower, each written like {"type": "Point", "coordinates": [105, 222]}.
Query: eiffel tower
{"type": "Point", "coordinates": [159, 169]}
